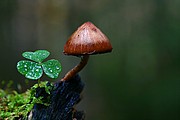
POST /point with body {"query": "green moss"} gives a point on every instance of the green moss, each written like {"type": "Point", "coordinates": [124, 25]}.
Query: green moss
{"type": "Point", "coordinates": [14, 105]}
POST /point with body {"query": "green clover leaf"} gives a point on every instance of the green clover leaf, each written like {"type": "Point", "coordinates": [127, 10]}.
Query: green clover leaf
{"type": "Point", "coordinates": [52, 68]}
{"type": "Point", "coordinates": [37, 56]}
{"type": "Point", "coordinates": [31, 70]}
{"type": "Point", "coordinates": [34, 69]}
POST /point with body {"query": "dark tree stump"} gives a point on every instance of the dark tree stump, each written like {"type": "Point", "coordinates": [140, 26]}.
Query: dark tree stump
{"type": "Point", "coordinates": [62, 100]}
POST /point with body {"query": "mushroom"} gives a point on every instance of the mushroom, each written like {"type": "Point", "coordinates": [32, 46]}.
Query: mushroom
{"type": "Point", "coordinates": [86, 40]}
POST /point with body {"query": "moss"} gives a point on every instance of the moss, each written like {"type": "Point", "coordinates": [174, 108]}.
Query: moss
{"type": "Point", "coordinates": [14, 105]}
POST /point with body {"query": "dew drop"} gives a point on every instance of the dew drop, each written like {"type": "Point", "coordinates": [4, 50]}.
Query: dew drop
{"type": "Point", "coordinates": [30, 74]}
{"type": "Point", "coordinates": [57, 68]}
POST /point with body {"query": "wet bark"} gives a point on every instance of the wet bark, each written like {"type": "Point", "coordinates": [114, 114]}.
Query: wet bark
{"type": "Point", "coordinates": [63, 98]}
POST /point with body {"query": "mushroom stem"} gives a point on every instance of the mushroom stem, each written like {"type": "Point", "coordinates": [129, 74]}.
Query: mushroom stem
{"type": "Point", "coordinates": [76, 69]}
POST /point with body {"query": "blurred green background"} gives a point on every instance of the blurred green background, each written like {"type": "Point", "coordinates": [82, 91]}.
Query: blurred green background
{"type": "Point", "coordinates": [139, 80]}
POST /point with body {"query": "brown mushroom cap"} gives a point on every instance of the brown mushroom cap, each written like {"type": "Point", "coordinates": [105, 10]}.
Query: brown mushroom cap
{"type": "Point", "coordinates": [86, 40]}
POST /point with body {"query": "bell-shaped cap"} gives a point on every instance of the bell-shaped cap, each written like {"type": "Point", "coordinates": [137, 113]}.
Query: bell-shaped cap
{"type": "Point", "coordinates": [86, 40]}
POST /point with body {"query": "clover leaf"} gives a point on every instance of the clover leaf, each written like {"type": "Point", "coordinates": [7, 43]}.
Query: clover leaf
{"type": "Point", "coordinates": [31, 70]}
{"type": "Point", "coordinates": [34, 69]}
{"type": "Point", "coordinates": [37, 56]}
{"type": "Point", "coordinates": [52, 68]}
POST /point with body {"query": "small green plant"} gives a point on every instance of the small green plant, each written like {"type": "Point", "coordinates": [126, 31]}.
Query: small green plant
{"type": "Point", "coordinates": [14, 105]}
{"type": "Point", "coordinates": [34, 69]}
